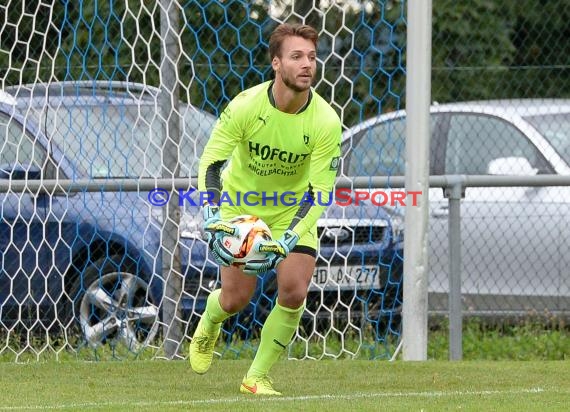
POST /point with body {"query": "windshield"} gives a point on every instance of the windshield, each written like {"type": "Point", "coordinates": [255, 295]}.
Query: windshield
{"type": "Point", "coordinates": [376, 151]}
{"type": "Point", "coordinates": [556, 129]}
{"type": "Point", "coordinates": [118, 140]}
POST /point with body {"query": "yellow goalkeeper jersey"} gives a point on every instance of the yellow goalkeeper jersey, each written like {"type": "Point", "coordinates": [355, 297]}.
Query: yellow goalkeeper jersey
{"type": "Point", "coordinates": [277, 160]}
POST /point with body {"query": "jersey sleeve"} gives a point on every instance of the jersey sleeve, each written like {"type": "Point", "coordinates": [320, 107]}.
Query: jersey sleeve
{"type": "Point", "coordinates": [224, 138]}
{"type": "Point", "coordinates": [325, 160]}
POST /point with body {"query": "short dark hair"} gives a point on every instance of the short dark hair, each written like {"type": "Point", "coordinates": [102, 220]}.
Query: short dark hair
{"type": "Point", "coordinates": [287, 30]}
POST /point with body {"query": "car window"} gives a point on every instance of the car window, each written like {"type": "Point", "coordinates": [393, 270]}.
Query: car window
{"type": "Point", "coordinates": [16, 148]}
{"type": "Point", "coordinates": [475, 142]}
{"type": "Point", "coordinates": [379, 150]}
{"type": "Point", "coordinates": [556, 129]}
{"type": "Point", "coordinates": [196, 132]}
{"type": "Point", "coordinates": [114, 141]}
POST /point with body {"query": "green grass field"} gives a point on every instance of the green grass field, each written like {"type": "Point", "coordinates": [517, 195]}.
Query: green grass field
{"type": "Point", "coordinates": [349, 385]}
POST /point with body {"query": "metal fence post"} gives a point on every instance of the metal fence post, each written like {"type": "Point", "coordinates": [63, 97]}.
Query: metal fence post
{"type": "Point", "coordinates": [455, 193]}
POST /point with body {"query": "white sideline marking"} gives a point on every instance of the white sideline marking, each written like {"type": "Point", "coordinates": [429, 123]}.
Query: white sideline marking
{"type": "Point", "coordinates": [249, 398]}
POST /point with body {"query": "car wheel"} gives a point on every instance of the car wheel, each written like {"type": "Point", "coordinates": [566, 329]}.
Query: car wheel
{"type": "Point", "coordinates": [112, 305]}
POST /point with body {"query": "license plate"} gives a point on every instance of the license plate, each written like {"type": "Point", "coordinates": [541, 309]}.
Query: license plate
{"type": "Point", "coordinates": [344, 277]}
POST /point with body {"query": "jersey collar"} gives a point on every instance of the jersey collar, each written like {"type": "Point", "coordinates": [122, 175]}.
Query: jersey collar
{"type": "Point", "coordinates": [272, 100]}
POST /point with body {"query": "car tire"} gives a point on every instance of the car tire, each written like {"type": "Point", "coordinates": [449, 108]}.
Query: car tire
{"type": "Point", "coordinates": [112, 306]}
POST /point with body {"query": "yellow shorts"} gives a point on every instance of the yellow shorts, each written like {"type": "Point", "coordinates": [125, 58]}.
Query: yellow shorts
{"type": "Point", "coordinates": [278, 223]}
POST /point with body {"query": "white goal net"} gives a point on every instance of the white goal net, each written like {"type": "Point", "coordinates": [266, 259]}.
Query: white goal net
{"type": "Point", "coordinates": [104, 110]}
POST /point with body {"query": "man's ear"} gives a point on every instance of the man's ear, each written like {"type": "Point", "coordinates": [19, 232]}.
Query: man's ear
{"type": "Point", "coordinates": [275, 64]}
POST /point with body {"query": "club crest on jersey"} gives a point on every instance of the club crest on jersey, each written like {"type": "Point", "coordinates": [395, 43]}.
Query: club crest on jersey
{"type": "Point", "coordinates": [335, 162]}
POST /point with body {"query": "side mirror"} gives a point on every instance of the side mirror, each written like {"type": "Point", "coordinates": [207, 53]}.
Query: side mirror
{"type": "Point", "coordinates": [19, 171]}
{"type": "Point", "coordinates": [516, 166]}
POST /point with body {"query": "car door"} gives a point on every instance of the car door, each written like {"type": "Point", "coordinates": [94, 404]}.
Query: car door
{"type": "Point", "coordinates": [510, 236]}
{"type": "Point", "coordinates": [22, 243]}
{"type": "Point", "coordinates": [380, 150]}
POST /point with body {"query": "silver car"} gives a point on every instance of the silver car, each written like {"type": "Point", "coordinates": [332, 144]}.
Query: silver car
{"type": "Point", "coordinates": [515, 240]}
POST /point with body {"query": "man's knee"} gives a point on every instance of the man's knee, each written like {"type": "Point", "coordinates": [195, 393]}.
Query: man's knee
{"type": "Point", "coordinates": [233, 305]}
{"type": "Point", "coordinates": [292, 299]}
{"type": "Point", "coordinates": [237, 289]}
{"type": "Point", "coordinates": [293, 277]}
{"type": "Point", "coordinates": [233, 301]}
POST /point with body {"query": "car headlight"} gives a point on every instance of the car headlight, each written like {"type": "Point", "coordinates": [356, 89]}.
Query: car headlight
{"type": "Point", "coordinates": [191, 226]}
{"type": "Point", "coordinates": [397, 226]}
{"type": "Point", "coordinates": [397, 222]}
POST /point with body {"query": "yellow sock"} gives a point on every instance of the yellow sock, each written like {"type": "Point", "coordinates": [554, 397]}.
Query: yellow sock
{"type": "Point", "coordinates": [214, 315]}
{"type": "Point", "coordinates": [277, 332]}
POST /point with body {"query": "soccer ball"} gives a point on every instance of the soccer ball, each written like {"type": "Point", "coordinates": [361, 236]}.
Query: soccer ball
{"type": "Point", "coordinates": [252, 230]}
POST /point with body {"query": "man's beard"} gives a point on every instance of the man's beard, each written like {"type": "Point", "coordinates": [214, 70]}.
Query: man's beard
{"type": "Point", "coordinates": [294, 87]}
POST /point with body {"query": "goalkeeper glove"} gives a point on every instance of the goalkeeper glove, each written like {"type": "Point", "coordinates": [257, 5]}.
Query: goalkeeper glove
{"type": "Point", "coordinates": [276, 251]}
{"type": "Point", "coordinates": [216, 229]}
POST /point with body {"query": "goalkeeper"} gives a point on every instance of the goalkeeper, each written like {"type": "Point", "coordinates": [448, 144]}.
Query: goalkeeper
{"type": "Point", "coordinates": [279, 136]}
